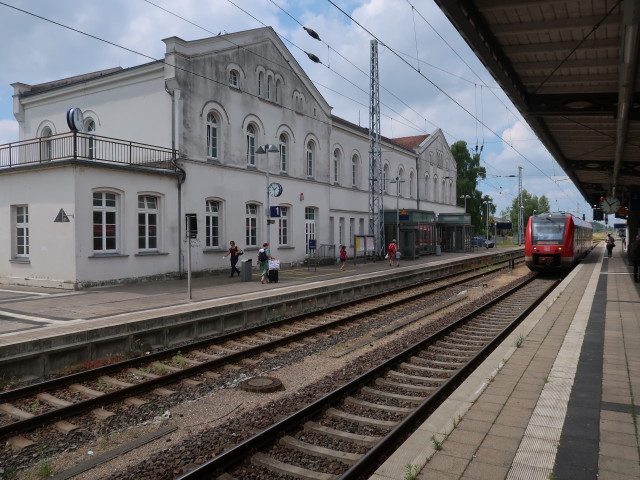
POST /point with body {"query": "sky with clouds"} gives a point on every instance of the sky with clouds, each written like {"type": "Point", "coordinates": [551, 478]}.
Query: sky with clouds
{"type": "Point", "coordinates": [429, 78]}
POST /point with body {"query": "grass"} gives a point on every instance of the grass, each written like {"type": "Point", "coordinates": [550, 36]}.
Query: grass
{"type": "Point", "coordinates": [519, 340]}
{"type": "Point", "coordinates": [410, 472]}
{"type": "Point", "coordinates": [437, 444]}
{"type": "Point", "coordinates": [178, 360]}
{"type": "Point", "coordinates": [158, 368]}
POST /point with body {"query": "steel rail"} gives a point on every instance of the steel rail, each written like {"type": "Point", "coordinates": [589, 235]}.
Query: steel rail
{"type": "Point", "coordinates": [173, 377]}
{"type": "Point", "coordinates": [241, 451]}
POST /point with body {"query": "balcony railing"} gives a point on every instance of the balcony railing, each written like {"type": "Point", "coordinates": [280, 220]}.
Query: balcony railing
{"type": "Point", "coordinates": [85, 146]}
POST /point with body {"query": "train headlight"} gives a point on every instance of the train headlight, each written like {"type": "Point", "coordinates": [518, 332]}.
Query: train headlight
{"type": "Point", "coordinates": [559, 249]}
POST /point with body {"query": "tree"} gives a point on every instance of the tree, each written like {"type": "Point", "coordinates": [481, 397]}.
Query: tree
{"type": "Point", "coordinates": [531, 204]}
{"type": "Point", "coordinates": [469, 171]}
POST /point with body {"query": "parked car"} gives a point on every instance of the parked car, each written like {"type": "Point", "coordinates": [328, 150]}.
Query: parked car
{"type": "Point", "coordinates": [477, 241]}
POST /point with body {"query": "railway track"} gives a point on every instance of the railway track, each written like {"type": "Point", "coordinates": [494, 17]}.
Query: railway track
{"type": "Point", "coordinates": [344, 434]}
{"type": "Point", "coordinates": [136, 382]}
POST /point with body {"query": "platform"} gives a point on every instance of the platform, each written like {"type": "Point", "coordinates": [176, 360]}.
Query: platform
{"type": "Point", "coordinates": [45, 330]}
{"type": "Point", "coordinates": [562, 406]}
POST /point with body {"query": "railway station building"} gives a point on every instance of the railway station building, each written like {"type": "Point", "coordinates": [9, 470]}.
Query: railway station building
{"type": "Point", "coordinates": [109, 164]}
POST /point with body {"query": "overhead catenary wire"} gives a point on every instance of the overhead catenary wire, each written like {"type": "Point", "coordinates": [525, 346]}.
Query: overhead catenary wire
{"type": "Point", "coordinates": [153, 59]}
{"type": "Point", "coordinates": [316, 36]}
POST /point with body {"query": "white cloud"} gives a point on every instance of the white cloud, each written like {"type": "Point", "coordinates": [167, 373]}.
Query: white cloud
{"type": "Point", "coordinates": [8, 131]}
{"type": "Point", "coordinates": [35, 51]}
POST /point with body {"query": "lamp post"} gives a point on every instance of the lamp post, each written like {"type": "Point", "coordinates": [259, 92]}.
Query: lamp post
{"type": "Point", "coordinates": [487, 219]}
{"type": "Point", "coordinates": [465, 201]}
{"type": "Point", "coordinates": [397, 181]}
{"type": "Point", "coordinates": [267, 213]}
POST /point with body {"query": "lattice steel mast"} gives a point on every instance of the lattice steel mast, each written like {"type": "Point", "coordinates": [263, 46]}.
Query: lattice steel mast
{"type": "Point", "coordinates": [376, 187]}
{"type": "Point", "coordinates": [520, 208]}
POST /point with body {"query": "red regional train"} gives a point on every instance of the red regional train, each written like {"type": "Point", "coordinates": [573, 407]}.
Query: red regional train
{"type": "Point", "coordinates": [556, 241]}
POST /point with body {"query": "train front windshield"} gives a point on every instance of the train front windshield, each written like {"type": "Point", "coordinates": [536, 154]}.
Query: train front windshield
{"type": "Point", "coordinates": [548, 230]}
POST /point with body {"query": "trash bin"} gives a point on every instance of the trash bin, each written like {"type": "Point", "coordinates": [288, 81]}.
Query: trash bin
{"type": "Point", "coordinates": [438, 249]}
{"type": "Point", "coordinates": [245, 270]}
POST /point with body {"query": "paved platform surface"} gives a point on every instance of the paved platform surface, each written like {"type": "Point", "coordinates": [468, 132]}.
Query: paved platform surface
{"type": "Point", "coordinates": [562, 406]}
{"type": "Point", "coordinates": [27, 313]}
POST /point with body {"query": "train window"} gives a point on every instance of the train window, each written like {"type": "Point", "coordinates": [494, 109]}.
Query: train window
{"type": "Point", "coordinates": [548, 231]}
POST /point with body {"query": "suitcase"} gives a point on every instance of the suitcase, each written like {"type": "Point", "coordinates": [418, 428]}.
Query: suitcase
{"type": "Point", "coordinates": [273, 276]}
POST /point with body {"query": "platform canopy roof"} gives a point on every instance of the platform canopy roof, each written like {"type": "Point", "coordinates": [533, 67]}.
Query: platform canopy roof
{"type": "Point", "coordinates": [571, 69]}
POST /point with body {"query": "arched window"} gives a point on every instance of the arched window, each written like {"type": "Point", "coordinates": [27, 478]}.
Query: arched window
{"type": "Point", "coordinates": [354, 170]}
{"type": "Point", "coordinates": [435, 188]}
{"type": "Point", "coordinates": [269, 82]}
{"type": "Point", "coordinates": [427, 186]}
{"type": "Point", "coordinates": [212, 136]}
{"type": "Point", "coordinates": [311, 152]}
{"type": "Point", "coordinates": [336, 166]}
{"type": "Point", "coordinates": [260, 83]}
{"type": "Point", "coordinates": [411, 186]}
{"type": "Point", "coordinates": [90, 128]}
{"type": "Point", "coordinates": [251, 144]}
{"type": "Point", "coordinates": [284, 152]}
{"type": "Point", "coordinates": [46, 150]}
{"type": "Point", "coordinates": [385, 179]}
{"type": "Point", "coordinates": [278, 91]}
{"type": "Point", "coordinates": [443, 192]}
{"type": "Point", "coordinates": [400, 182]}
{"type": "Point", "coordinates": [233, 78]}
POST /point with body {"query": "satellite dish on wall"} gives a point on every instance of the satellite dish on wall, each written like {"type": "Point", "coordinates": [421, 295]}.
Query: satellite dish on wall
{"type": "Point", "coordinates": [75, 119]}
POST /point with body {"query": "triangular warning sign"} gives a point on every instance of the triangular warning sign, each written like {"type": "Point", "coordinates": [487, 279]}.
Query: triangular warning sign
{"type": "Point", "coordinates": [62, 217]}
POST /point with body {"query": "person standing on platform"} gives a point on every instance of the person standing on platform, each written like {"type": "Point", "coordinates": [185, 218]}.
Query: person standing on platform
{"type": "Point", "coordinates": [393, 253]}
{"type": "Point", "coordinates": [610, 244]}
{"type": "Point", "coordinates": [264, 255]}
{"type": "Point", "coordinates": [343, 257]}
{"type": "Point", "coordinates": [235, 253]}
{"type": "Point", "coordinates": [634, 257]}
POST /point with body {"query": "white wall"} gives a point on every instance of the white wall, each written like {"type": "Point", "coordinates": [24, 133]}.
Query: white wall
{"type": "Point", "coordinates": [52, 245]}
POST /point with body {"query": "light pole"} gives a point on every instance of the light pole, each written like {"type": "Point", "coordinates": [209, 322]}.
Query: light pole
{"type": "Point", "coordinates": [267, 213]}
{"type": "Point", "coordinates": [465, 201]}
{"type": "Point", "coordinates": [487, 219]}
{"type": "Point", "coordinates": [397, 181]}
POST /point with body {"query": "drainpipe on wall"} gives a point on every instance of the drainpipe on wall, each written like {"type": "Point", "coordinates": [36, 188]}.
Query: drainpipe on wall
{"type": "Point", "coordinates": [418, 183]}
{"type": "Point", "coordinates": [181, 178]}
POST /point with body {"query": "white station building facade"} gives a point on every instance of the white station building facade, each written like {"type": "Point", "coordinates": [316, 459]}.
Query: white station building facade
{"type": "Point", "coordinates": [107, 203]}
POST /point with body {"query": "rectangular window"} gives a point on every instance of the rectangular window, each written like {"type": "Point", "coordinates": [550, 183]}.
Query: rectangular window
{"type": "Point", "coordinates": [105, 218]}
{"type": "Point", "coordinates": [251, 225]}
{"type": "Point", "coordinates": [147, 223]}
{"type": "Point", "coordinates": [283, 226]}
{"type": "Point", "coordinates": [341, 231]}
{"type": "Point", "coordinates": [21, 231]}
{"type": "Point", "coordinates": [212, 224]}
{"type": "Point", "coordinates": [352, 230]}
{"type": "Point", "coordinates": [309, 227]}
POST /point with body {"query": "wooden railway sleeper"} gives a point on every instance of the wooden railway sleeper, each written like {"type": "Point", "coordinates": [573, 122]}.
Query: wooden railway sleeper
{"type": "Point", "coordinates": [426, 368]}
{"type": "Point", "coordinates": [342, 415]}
{"type": "Point", "coordinates": [451, 364]}
{"type": "Point", "coordinates": [382, 382]}
{"type": "Point", "coordinates": [415, 378]}
{"type": "Point", "coordinates": [366, 440]}
{"type": "Point", "coordinates": [316, 451]}
{"type": "Point", "coordinates": [376, 406]}
{"type": "Point", "coordinates": [270, 463]}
